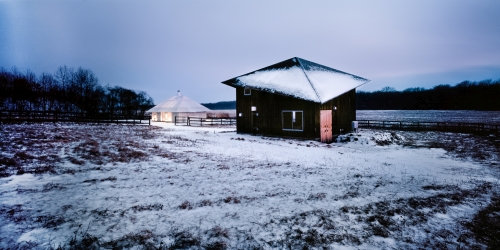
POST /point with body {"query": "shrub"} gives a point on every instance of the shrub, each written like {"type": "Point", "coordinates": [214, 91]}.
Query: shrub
{"type": "Point", "coordinates": [486, 224]}
{"type": "Point", "coordinates": [150, 207]}
{"type": "Point", "coordinates": [186, 205]}
{"type": "Point", "coordinates": [232, 199]}
{"type": "Point", "coordinates": [184, 240]}
{"type": "Point", "coordinates": [205, 203]}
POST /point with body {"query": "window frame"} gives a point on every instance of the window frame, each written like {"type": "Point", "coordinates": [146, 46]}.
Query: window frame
{"type": "Point", "coordinates": [283, 121]}
{"type": "Point", "coordinates": [245, 91]}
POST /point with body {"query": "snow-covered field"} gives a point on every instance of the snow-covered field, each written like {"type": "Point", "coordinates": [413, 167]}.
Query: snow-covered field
{"type": "Point", "coordinates": [172, 187]}
{"type": "Point", "coordinates": [470, 116]}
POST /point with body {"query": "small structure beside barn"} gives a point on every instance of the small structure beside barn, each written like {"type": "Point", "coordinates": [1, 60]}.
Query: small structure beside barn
{"type": "Point", "coordinates": [178, 105]}
{"type": "Point", "coordinates": [296, 98]}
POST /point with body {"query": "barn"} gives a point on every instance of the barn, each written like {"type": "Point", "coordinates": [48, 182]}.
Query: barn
{"type": "Point", "coordinates": [178, 105]}
{"type": "Point", "coordinates": [296, 98]}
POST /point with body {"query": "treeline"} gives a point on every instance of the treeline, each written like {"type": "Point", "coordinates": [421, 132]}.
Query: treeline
{"type": "Point", "coordinates": [467, 95]}
{"type": "Point", "coordinates": [68, 90]}
{"type": "Point", "coordinates": [220, 105]}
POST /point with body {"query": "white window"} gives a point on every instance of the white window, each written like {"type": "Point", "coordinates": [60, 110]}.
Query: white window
{"type": "Point", "coordinates": [293, 120]}
{"type": "Point", "coordinates": [247, 91]}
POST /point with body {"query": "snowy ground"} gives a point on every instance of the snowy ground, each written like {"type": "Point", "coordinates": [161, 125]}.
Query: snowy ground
{"type": "Point", "coordinates": [182, 187]}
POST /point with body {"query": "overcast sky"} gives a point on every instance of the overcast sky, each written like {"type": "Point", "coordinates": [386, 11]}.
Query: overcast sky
{"type": "Point", "coordinates": [162, 46]}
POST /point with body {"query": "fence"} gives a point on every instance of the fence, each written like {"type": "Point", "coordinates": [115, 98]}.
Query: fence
{"type": "Point", "coordinates": [461, 127]}
{"type": "Point", "coordinates": [197, 121]}
{"type": "Point", "coordinates": [54, 116]}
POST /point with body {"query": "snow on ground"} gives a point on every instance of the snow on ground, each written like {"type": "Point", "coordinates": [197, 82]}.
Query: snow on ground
{"type": "Point", "coordinates": [181, 187]}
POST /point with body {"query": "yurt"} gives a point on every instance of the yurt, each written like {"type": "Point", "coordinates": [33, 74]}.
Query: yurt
{"type": "Point", "coordinates": [178, 105]}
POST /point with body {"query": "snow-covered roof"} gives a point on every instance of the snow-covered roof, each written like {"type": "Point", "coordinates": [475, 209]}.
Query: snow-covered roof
{"type": "Point", "coordinates": [179, 103]}
{"type": "Point", "coordinates": [301, 79]}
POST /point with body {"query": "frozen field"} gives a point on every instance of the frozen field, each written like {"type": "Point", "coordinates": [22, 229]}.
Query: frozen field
{"type": "Point", "coordinates": [175, 187]}
{"type": "Point", "coordinates": [470, 116]}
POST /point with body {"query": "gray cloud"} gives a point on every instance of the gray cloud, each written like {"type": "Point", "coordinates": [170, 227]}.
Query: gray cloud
{"type": "Point", "coordinates": [163, 46]}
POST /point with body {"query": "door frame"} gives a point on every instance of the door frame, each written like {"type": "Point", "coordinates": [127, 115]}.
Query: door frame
{"type": "Point", "coordinates": [325, 125]}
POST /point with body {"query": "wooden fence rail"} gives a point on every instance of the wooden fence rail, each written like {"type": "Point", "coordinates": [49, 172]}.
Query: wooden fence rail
{"type": "Point", "coordinates": [54, 116]}
{"type": "Point", "coordinates": [461, 127]}
{"type": "Point", "coordinates": [197, 121]}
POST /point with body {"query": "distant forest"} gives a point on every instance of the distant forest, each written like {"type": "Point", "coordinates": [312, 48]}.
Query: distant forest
{"type": "Point", "coordinates": [467, 95]}
{"type": "Point", "coordinates": [68, 90]}
{"type": "Point", "coordinates": [220, 105]}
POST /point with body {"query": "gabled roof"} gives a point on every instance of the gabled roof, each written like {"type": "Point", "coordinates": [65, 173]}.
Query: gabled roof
{"type": "Point", "coordinates": [179, 103]}
{"type": "Point", "coordinates": [301, 79]}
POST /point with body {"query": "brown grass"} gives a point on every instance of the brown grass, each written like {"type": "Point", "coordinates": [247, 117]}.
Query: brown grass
{"type": "Point", "coordinates": [35, 148]}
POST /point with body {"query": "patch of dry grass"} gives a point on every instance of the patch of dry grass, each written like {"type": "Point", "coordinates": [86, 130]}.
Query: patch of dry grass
{"type": "Point", "coordinates": [481, 148]}
{"type": "Point", "coordinates": [37, 148]}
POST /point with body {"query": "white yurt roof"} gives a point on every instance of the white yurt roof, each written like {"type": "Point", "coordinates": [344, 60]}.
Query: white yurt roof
{"type": "Point", "coordinates": [179, 103]}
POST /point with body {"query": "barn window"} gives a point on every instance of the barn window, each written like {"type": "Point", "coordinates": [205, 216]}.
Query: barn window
{"type": "Point", "coordinates": [293, 120]}
{"type": "Point", "coordinates": [247, 91]}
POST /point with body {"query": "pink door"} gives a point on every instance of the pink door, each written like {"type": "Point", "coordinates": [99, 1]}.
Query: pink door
{"type": "Point", "coordinates": [326, 126]}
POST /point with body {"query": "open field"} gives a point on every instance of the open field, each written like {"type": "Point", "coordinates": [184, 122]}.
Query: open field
{"type": "Point", "coordinates": [167, 187]}
{"type": "Point", "coordinates": [466, 116]}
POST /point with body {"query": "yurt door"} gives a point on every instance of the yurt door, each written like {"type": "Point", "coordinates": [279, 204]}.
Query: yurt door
{"type": "Point", "coordinates": [326, 126]}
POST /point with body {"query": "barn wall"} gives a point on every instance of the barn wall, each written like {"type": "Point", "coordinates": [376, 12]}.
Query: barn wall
{"type": "Point", "coordinates": [243, 104]}
{"type": "Point", "coordinates": [345, 113]}
{"type": "Point", "coordinates": [267, 120]}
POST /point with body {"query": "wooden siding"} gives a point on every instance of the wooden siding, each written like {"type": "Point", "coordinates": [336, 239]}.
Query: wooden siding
{"type": "Point", "coordinates": [243, 104]}
{"type": "Point", "coordinates": [345, 113]}
{"type": "Point", "coordinates": [267, 119]}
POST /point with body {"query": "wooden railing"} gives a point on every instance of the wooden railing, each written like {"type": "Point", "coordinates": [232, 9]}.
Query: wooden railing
{"type": "Point", "coordinates": [54, 116]}
{"type": "Point", "coordinates": [461, 127]}
{"type": "Point", "coordinates": [200, 122]}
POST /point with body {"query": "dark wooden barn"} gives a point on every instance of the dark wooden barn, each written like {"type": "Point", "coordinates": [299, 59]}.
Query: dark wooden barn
{"type": "Point", "coordinates": [296, 98]}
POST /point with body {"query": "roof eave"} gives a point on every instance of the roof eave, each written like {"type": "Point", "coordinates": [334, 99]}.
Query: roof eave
{"type": "Point", "coordinates": [283, 63]}
{"type": "Point", "coordinates": [230, 83]}
{"type": "Point", "coordinates": [323, 102]}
